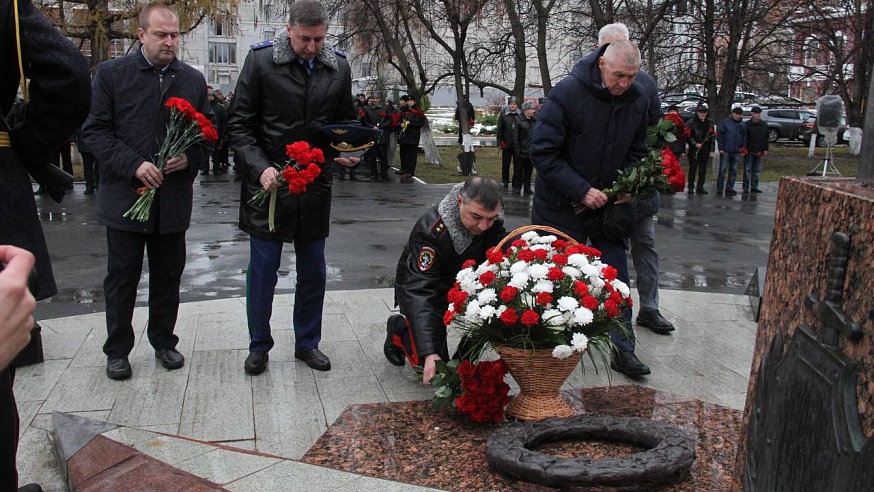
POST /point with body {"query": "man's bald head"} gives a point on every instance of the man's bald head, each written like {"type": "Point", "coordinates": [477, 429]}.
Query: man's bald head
{"type": "Point", "coordinates": [619, 66]}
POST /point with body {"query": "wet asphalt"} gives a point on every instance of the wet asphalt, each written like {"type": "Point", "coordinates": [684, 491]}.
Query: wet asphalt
{"type": "Point", "coordinates": [705, 243]}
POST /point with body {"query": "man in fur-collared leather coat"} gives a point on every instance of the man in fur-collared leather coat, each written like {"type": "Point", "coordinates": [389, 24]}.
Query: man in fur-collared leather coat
{"type": "Point", "coordinates": [286, 92]}
{"type": "Point", "coordinates": [463, 226]}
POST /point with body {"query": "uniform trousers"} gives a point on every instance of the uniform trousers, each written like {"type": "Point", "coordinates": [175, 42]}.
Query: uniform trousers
{"type": "Point", "coordinates": [309, 292]}
{"type": "Point", "coordinates": [408, 158]}
{"type": "Point", "coordinates": [646, 264]}
{"type": "Point", "coordinates": [125, 265]}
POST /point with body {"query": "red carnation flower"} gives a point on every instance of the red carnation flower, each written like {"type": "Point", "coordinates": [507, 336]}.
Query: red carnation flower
{"type": "Point", "coordinates": [540, 254]}
{"type": "Point", "coordinates": [609, 273]}
{"type": "Point", "coordinates": [508, 293]}
{"type": "Point", "coordinates": [559, 259]}
{"type": "Point", "coordinates": [544, 298]}
{"type": "Point", "coordinates": [447, 317]}
{"type": "Point", "coordinates": [555, 274]}
{"type": "Point", "coordinates": [509, 317]}
{"type": "Point", "coordinates": [530, 317]}
{"type": "Point", "coordinates": [487, 277]}
{"type": "Point", "coordinates": [468, 264]}
{"type": "Point", "coordinates": [526, 255]}
{"type": "Point", "coordinates": [496, 256]}
{"type": "Point", "coordinates": [590, 303]}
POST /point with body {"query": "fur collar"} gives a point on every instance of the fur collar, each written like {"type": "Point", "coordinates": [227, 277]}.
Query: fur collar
{"type": "Point", "coordinates": [283, 54]}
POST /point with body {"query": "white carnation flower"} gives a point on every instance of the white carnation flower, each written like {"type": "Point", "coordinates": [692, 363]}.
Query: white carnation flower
{"type": "Point", "coordinates": [579, 342]}
{"type": "Point", "coordinates": [590, 270]}
{"type": "Point", "coordinates": [530, 236]}
{"type": "Point", "coordinates": [562, 351]}
{"type": "Point", "coordinates": [519, 280]}
{"type": "Point", "coordinates": [486, 312]}
{"type": "Point", "coordinates": [543, 286]}
{"type": "Point", "coordinates": [472, 310]}
{"type": "Point", "coordinates": [596, 282]}
{"type": "Point", "coordinates": [464, 274]}
{"type": "Point", "coordinates": [549, 239]}
{"type": "Point", "coordinates": [572, 272]}
{"type": "Point", "coordinates": [487, 296]}
{"type": "Point", "coordinates": [578, 260]}
{"type": "Point", "coordinates": [469, 285]}
{"type": "Point", "coordinates": [554, 319]}
{"type": "Point", "coordinates": [567, 303]}
{"type": "Point", "coordinates": [621, 287]}
{"type": "Point", "coordinates": [519, 267]}
{"type": "Point", "coordinates": [583, 316]}
{"type": "Point", "coordinates": [538, 270]}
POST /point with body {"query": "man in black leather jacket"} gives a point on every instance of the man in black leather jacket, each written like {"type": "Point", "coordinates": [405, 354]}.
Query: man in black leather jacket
{"type": "Point", "coordinates": [463, 226]}
{"type": "Point", "coordinates": [287, 91]}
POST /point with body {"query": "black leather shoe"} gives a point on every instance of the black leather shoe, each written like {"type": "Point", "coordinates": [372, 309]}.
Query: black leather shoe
{"type": "Point", "coordinates": [118, 369]}
{"type": "Point", "coordinates": [31, 487]}
{"type": "Point", "coordinates": [756, 190]}
{"type": "Point", "coordinates": [654, 321]}
{"type": "Point", "coordinates": [701, 190]}
{"type": "Point", "coordinates": [170, 358]}
{"type": "Point", "coordinates": [393, 353]}
{"type": "Point", "coordinates": [315, 359]}
{"type": "Point", "coordinates": [730, 192]}
{"type": "Point", "coordinates": [256, 363]}
{"type": "Point", "coordinates": [627, 363]}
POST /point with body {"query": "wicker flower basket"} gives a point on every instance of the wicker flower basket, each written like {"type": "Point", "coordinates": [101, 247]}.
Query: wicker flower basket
{"type": "Point", "coordinates": [540, 377]}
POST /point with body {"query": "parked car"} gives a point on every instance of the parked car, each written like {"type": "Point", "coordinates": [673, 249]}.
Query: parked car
{"type": "Point", "coordinates": [785, 123]}
{"type": "Point", "coordinates": [810, 124]}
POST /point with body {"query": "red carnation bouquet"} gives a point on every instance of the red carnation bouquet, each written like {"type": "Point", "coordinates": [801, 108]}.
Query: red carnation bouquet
{"type": "Point", "coordinates": [477, 389]}
{"type": "Point", "coordinates": [186, 127]}
{"type": "Point", "coordinates": [659, 171]}
{"type": "Point", "coordinates": [301, 169]}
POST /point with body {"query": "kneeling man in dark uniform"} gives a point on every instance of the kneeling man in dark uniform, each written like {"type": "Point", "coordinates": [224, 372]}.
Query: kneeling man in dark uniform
{"type": "Point", "coordinates": [463, 226]}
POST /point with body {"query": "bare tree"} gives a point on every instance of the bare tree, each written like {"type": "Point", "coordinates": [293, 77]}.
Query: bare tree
{"type": "Point", "coordinates": [96, 23]}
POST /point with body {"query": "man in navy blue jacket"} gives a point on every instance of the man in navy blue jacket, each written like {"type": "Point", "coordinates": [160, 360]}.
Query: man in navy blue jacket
{"type": "Point", "coordinates": [593, 124]}
{"type": "Point", "coordinates": [731, 137]}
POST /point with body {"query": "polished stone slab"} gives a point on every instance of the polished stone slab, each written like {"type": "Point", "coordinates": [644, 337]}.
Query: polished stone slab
{"type": "Point", "coordinates": [411, 443]}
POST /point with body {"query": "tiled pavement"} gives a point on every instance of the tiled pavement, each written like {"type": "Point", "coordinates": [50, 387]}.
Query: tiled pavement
{"type": "Point", "coordinates": [179, 416]}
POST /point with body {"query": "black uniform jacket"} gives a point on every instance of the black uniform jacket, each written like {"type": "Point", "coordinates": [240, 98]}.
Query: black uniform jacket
{"type": "Point", "coordinates": [427, 269]}
{"type": "Point", "coordinates": [60, 94]}
{"type": "Point", "coordinates": [276, 103]}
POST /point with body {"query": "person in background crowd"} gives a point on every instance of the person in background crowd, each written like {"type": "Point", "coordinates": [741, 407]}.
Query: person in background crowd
{"type": "Point", "coordinates": [463, 226]}
{"type": "Point", "coordinates": [270, 112]}
{"type": "Point", "coordinates": [757, 147]}
{"type": "Point", "coordinates": [128, 120]}
{"type": "Point", "coordinates": [701, 140]}
{"type": "Point", "coordinates": [524, 132]}
{"type": "Point", "coordinates": [90, 167]}
{"type": "Point", "coordinates": [471, 118]}
{"type": "Point", "coordinates": [678, 146]}
{"type": "Point", "coordinates": [58, 90]}
{"type": "Point", "coordinates": [376, 115]}
{"type": "Point", "coordinates": [221, 127]}
{"type": "Point", "coordinates": [731, 137]}
{"type": "Point", "coordinates": [409, 130]}
{"type": "Point", "coordinates": [506, 141]}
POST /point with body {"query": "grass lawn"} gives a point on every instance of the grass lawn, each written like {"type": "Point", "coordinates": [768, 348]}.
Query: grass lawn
{"type": "Point", "coordinates": [784, 159]}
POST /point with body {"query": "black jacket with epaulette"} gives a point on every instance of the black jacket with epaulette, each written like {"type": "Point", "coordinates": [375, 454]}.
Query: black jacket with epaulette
{"type": "Point", "coordinates": [437, 247]}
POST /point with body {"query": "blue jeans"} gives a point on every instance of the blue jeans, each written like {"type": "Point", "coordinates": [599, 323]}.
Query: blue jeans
{"type": "Point", "coordinates": [309, 292]}
{"type": "Point", "coordinates": [752, 168]}
{"type": "Point", "coordinates": [727, 160]}
{"type": "Point", "coordinates": [646, 264]}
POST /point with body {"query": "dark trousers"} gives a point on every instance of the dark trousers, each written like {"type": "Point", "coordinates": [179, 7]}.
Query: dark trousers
{"type": "Point", "coordinates": [8, 432]}
{"type": "Point", "coordinates": [166, 263]}
{"type": "Point", "coordinates": [378, 158]}
{"type": "Point", "coordinates": [63, 152]}
{"type": "Point", "coordinates": [613, 253]}
{"type": "Point", "coordinates": [91, 170]}
{"type": "Point", "coordinates": [699, 167]}
{"type": "Point", "coordinates": [402, 337]}
{"type": "Point", "coordinates": [408, 158]}
{"type": "Point", "coordinates": [508, 155]}
{"type": "Point", "coordinates": [309, 292]}
{"type": "Point", "coordinates": [522, 173]}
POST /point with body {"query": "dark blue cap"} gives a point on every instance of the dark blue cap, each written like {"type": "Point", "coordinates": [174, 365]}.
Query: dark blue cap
{"type": "Point", "coordinates": [351, 140]}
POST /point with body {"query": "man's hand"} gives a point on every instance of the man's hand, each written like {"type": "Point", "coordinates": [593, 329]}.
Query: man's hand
{"type": "Point", "coordinates": [149, 174]}
{"type": "Point", "coordinates": [347, 161]}
{"type": "Point", "coordinates": [16, 303]}
{"type": "Point", "coordinates": [430, 369]}
{"type": "Point", "coordinates": [268, 179]}
{"type": "Point", "coordinates": [698, 146]}
{"type": "Point", "coordinates": [595, 199]}
{"type": "Point", "coordinates": [623, 198]}
{"type": "Point", "coordinates": [177, 163]}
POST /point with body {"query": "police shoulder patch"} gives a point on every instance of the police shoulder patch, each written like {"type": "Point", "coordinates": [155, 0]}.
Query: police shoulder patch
{"type": "Point", "coordinates": [425, 258]}
{"type": "Point", "coordinates": [262, 44]}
